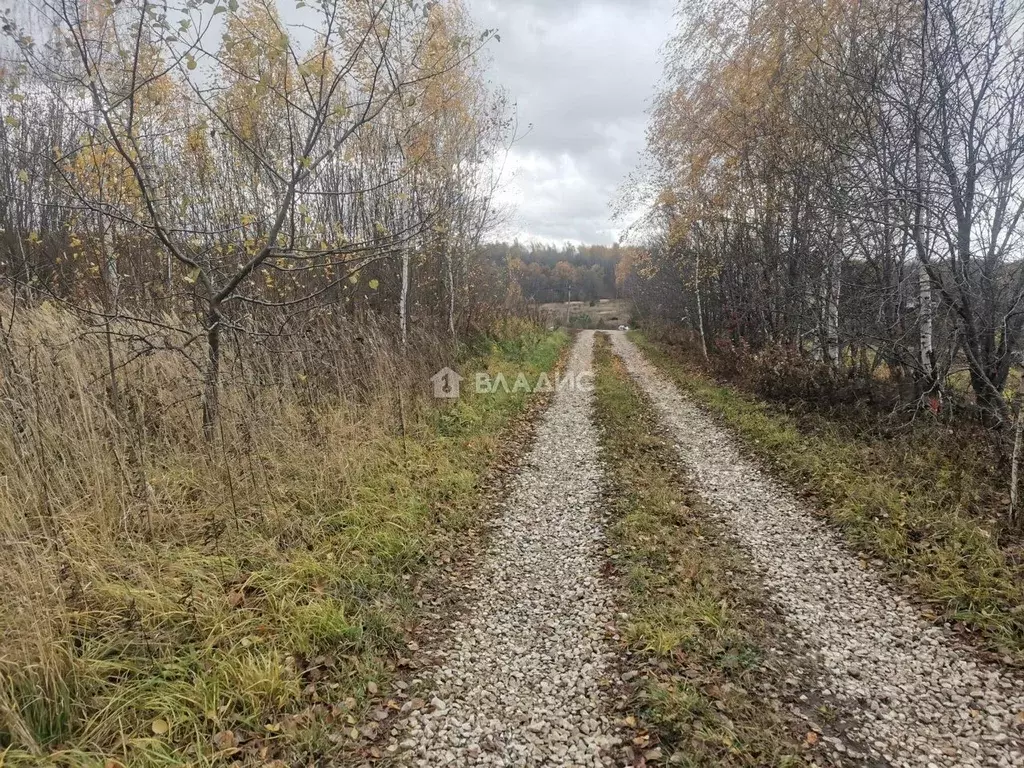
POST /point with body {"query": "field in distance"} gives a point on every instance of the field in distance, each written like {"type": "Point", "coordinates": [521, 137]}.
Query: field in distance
{"type": "Point", "coordinates": [602, 313]}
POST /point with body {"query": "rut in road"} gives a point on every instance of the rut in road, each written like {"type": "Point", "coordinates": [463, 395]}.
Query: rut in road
{"type": "Point", "coordinates": [518, 682]}
{"type": "Point", "coordinates": [917, 697]}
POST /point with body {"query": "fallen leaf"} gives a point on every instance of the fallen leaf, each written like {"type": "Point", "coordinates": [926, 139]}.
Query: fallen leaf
{"type": "Point", "coordinates": [225, 740]}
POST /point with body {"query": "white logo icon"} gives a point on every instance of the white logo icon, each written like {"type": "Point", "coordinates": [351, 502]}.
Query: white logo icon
{"type": "Point", "coordinates": [446, 384]}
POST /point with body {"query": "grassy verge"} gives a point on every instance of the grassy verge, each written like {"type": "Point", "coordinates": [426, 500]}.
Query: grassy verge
{"type": "Point", "coordinates": [899, 499]}
{"type": "Point", "coordinates": [260, 631]}
{"type": "Point", "coordinates": [696, 617]}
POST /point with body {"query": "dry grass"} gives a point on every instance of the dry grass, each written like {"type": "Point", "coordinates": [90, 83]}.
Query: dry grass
{"type": "Point", "coordinates": [171, 602]}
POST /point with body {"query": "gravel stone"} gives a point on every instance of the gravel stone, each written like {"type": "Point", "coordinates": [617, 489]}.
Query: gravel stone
{"type": "Point", "coordinates": [916, 696]}
{"type": "Point", "coordinates": [519, 681]}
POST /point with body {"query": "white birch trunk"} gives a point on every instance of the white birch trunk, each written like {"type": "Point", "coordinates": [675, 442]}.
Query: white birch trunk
{"type": "Point", "coordinates": [832, 313]}
{"type": "Point", "coordinates": [821, 331]}
{"type": "Point", "coordinates": [700, 309]}
{"type": "Point", "coordinates": [403, 301]}
{"type": "Point", "coordinates": [450, 277]}
{"type": "Point", "coordinates": [925, 320]}
{"type": "Point", "coordinates": [110, 273]}
{"type": "Point", "coordinates": [920, 211]}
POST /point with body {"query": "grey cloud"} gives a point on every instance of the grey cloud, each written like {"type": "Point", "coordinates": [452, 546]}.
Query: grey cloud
{"type": "Point", "coordinates": [582, 73]}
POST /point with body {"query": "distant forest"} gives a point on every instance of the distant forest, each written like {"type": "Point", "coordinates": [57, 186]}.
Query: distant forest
{"type": "Point", "coordinates": [548, 273]}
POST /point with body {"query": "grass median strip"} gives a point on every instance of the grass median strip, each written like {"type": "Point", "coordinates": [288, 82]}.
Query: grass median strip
{"type": "Point", "coordinates": [698, 626]}
{"type": "Point", "coordinates": [906, 509]}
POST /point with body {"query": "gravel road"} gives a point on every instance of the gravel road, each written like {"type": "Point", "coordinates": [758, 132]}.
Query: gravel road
{"type": "Point", "coordinates": [917, 698]}
{"type": "Point", "coordinates": [518, 681]}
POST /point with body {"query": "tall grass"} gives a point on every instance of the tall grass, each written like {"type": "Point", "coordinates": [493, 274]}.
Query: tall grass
{"type": "Point", "coordinates": [169, 600]}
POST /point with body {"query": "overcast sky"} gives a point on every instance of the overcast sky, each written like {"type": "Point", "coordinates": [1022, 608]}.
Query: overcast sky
{"type": "Point", "coordinates": [583, 73]}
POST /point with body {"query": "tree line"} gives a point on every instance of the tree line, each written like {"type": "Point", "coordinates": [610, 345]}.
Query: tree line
{"type": "Point", "coordinates": [246, 167]}
{"type": "Point", "coordinates": [843, 180]}
{"type": "Point", "coordinates": [542, 273]}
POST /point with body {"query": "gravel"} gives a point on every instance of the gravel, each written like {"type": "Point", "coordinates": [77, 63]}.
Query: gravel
{"type": "Point", "coordinates": [518, 682]}
{"type": "Point", "coordinates": [917, 697]}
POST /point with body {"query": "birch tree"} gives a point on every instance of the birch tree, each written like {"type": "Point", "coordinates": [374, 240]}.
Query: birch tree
{"type": "Point", "coordinates": [226, 176]}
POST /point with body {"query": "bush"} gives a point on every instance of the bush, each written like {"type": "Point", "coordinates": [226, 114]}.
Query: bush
{"type": "Point", "coordinates": [779, 373]}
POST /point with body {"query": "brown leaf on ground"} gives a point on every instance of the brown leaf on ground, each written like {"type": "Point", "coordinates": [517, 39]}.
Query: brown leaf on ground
{"type": "Point", "coordinates": [225, 740]}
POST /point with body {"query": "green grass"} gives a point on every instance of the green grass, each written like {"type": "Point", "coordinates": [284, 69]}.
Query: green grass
{"type": "Point", "coordinates": [695, 613]}
{"type": "Point", "coordinates": [909, 499]}
{"type": "Point", "coordinates": [261, 638]}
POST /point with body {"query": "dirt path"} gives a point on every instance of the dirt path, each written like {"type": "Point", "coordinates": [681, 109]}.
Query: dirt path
{"type": "Point", "coordinates": [918, 698]}
{"type": "Point", "coordinates": [518, 682]}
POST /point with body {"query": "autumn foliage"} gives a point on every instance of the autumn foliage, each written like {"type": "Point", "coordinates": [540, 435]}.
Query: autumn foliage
{"type": "Point", "coordinates": [843, 180]}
